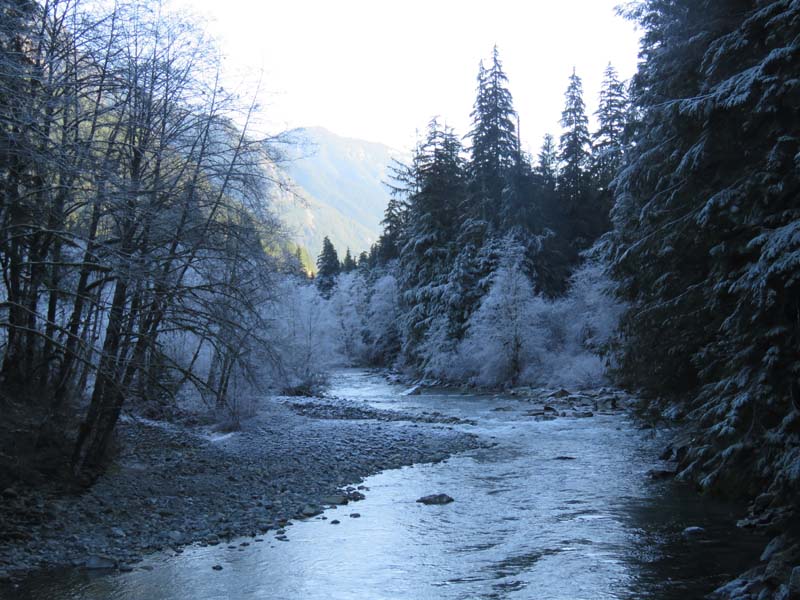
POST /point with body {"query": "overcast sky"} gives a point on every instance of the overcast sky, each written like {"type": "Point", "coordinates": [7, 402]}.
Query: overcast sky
{"type": "Point", "coordinates": [380, 70]}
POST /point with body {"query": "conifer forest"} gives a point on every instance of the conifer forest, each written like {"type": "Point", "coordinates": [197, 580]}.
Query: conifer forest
{"type": "Point", "coordinates": [177, 377]}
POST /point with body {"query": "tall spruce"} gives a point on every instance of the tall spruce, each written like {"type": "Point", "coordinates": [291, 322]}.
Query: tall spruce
{"type": "Point", "coordinates": [494, 146]}
{"type": "Point", "coordinates": [328, 268]}
{"type": "Point", "coordinates": [437, 188]}
{"type": "Point", "coordinates": [609, 140]}
{"type": "Point", "coordinates": [707, 239]}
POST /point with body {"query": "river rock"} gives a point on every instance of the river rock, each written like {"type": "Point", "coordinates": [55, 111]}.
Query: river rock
{"type": "Point", "coordinates": [309, 510]}
{"type": "Point", "coordinates": [336, 499]}
{"type": "Point", "coordinates": [99, 562]}
{"type": "Point", "coordinates": [436, 499]}
{"type": "Point", "coordinates": [693, 532]}
{"type": "Point", "coordinates": [794, 583]}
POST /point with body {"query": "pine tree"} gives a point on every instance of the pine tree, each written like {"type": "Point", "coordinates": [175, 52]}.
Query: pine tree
{"type": "Point", "coordinates": [707, 239]}
{"type": "Point", "coordinates": [436, 188]}
{"type": "Point", "coordinates": [584, 219]}
{"type": "Point", "coordinates": [327, 268]}
{"type": "Point", "coordinates": [348, 263]}
{"type": "Point", "coordinates": [609, 139]}
{"type": "Point", "coordinates": [494, 149]}
{"type": "Point", "coordinates": [574, 147]}
{"type": "Point", "coordinates": [547, 166]}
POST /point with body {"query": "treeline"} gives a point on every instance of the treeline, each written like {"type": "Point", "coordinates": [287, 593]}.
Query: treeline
{"type": "Point", "coordinates": [488, 226]}
{"type": "Point", "coordinates": [133, 227]}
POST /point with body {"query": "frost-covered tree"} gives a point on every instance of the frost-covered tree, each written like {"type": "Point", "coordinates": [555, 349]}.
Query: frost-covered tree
{"type": "Point", "coordinates": [707, 236]}
{"type": "Point", "coordinates": [500, 335]}
{"type": "Point", "coordinates": [348, 262]}
{"type": "Point", "coordinates": [574, 147]}
{"type": "Point", "coordinates": [328, 267]}
{"type": "Point", "coordinates": [494, 146]}
{"type": "Point", "coordinates": [609, 140]}
{"type": "Point", "coordinates": [436, 190]}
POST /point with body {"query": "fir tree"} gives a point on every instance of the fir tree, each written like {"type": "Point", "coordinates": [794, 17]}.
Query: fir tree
{"type": "Point", "coordinates": [584, 219]}
{"type": "Point", "coordinates": [707, 238]}
{"type": "Point", "coordinates": [435, 189]}
{"type": "Point", "coordinates": [327, 268]}
{"type": "Point", "coordinates": [609, 139]}
{"type": "Point", "coordinates": [547, 166]}
{"type": "Point", "coordinates": [348, 263]}
{"type": "Point", "coordinates": [494, 148]}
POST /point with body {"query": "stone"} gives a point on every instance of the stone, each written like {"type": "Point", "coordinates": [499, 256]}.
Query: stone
{"type": "Point", "coordinates": [309, 510]}
{"type": "Point", "coordinates": [100, 562]}
{"type": "Point", "coordinates": [658, 474]}
{"type": "Point", "coordinates": [794, 583]}
{"type": "Point", "coordinates": [355, 515]}
{"type": "Point", "coordinates": [691, 532]}
{"type": "Point", "coordinates": [217, 567]}
{"type": "Point", "coordinates": [436, 499]}
{"type": "Point", "coordinates": [335, 522]}
{"type": "Point", "coordinates": [336, 499]}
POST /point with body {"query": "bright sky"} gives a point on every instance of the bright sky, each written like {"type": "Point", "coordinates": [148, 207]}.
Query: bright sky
{"type": "Point", "coordinates": [380, 70]}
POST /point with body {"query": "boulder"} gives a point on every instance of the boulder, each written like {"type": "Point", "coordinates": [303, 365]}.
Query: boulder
{"type": "Point", "coordinates": [436, 499]}
{"type": "Point", "coordinates": [336, 499]}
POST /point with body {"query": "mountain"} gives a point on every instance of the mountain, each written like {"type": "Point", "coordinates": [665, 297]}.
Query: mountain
{"type": "Point", "coordinates": [338, 190]}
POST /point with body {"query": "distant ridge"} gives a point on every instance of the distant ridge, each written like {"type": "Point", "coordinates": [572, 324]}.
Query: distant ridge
{"type": "Point", "coordinates": [339, 190]}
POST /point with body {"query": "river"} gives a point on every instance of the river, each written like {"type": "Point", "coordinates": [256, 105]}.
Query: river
{"type": "Point", "coordinates": [527, 523]}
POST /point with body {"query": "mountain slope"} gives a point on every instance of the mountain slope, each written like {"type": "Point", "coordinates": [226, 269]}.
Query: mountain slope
{"type": "Point", "coordinates": [338, 190]}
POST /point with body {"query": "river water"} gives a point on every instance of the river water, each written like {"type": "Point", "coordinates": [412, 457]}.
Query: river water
{"type": "Point", "coordinates": [526, 523]}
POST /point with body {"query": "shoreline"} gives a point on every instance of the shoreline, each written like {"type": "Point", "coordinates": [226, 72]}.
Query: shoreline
{"type": "Point", "coordinates": [171, 486]}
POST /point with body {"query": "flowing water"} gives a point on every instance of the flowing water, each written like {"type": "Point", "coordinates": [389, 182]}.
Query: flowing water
{"type": "Point", "coordinates": [526, 523]}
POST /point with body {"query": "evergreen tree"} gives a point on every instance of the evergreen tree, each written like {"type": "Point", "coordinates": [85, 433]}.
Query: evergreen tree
{"type": "Point", "coordinates": [363, 260]}
{"type": "Point", "coordinates": [327, 268]}
{"type": "Point", "coordinates": [348, 263]}
{"type": "Point", "coordinates": [547, 166]}
{"type": "Point", "coordinates": [574, 147]}
{"type": "Point", "coordinates": [609, 139]}
{"type": "Point", "coordinates": [583, 218]}
{"type": "Point", "coordinates": [494, 148]}
{"type": "Point", "coordinates": [436, 188]}
{"type": "Point", "coordinates": [707, 239]}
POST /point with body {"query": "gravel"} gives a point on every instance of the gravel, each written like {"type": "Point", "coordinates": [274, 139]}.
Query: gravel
{"type": "Point", "coordinates": [172, 486]}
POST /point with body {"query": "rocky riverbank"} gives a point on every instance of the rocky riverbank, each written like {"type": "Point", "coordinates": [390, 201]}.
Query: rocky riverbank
{"type": "Point", "coordinates": [171, 485]}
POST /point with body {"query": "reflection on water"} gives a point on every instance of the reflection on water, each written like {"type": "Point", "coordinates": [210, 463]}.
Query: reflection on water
{"type": "Point", "coordinates": [527, 523]}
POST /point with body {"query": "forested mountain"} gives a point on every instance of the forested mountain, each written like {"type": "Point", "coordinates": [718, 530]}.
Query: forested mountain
{"type": "Point", "coordinates": [337, 189]}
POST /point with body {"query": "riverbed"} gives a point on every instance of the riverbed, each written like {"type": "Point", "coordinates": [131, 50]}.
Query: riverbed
{"type": "Point", "coordinates": [556, 508]}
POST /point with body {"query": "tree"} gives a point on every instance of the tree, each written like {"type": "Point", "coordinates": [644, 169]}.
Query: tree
{"type": "Point", "coordinates": [328, 268]}
{"type": "Point", "coordinates": [547, 166]}
{"type": "Point", "coordinates": [583, 216]}
{"type": "Point", "coordinates": [435, 189]}
{"type": "Point", "coordinates": [494, 146]}
{"type": "Point", "coordinates": [609, 139]}
{"type": "Point", "coordinates": [348, 263]}
{"type": "Point", "coordinates": [705, 246]}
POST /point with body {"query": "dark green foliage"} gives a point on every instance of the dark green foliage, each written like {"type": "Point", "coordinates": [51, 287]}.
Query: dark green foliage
{"type": "Point", "coordinates": [328, 267]}
{"type": "Point", "coordinates": [609, 140]}
{"type": "Point", "coordinates": [707, 234]}
{"type": "Point", "coordinates": [348, 263]}
{"type": "Point", "coordinates": [437, 184]}
{"type": "Point", "coordinates": [494, 149]}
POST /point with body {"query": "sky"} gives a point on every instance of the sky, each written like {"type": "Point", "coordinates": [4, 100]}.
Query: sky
{"type": "Point", "coordinates": [379, 71]}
